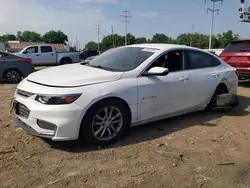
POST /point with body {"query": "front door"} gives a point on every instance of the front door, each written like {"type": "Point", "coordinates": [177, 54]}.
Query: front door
{"type": "Point", "coordinates": [33, 53]}
{"type": "Point", "coordinates": [164, 95]}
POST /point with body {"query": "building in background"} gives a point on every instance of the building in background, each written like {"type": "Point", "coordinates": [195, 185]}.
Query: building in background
{"type": "Point", "coordinates": [16, 46]}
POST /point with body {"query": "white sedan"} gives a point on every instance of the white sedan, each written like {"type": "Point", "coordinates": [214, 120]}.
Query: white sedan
{"type": "Point", "coordinates": [122, 87]}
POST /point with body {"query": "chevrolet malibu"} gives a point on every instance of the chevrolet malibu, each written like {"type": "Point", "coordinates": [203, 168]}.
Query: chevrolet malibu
{"type": "Point", "coordinates": [123, 87]}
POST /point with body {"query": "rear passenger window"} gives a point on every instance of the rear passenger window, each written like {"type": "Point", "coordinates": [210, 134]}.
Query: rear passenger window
{"type": "Point", "coordinates": [46, 49]}
{"type": "Point", "coordinates": [198, 60]}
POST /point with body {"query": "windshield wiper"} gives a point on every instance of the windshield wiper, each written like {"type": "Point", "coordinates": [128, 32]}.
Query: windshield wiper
{"type": "Point", "coordinates": [101, 67]}
{"type": "Point", "coordinates": [97, 66]}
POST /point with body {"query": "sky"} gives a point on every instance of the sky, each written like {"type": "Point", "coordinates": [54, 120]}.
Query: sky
{"type": "Point", "coordinates": [79, 18]}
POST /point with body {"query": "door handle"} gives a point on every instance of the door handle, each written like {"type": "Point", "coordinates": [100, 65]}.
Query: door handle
{"type": "Point", "coordinates": [37, 55]}
{"type": "Point", "coordinates": [183, 79]}
{"type": "Point", "coordinates": [215, 75]}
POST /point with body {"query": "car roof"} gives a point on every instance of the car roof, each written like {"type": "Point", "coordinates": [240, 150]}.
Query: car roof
{"type": "Point", "coordinates": [160, 46]}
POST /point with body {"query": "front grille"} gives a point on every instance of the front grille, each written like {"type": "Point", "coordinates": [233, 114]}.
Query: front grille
{"type": "Point", "coordinates": [24, 93]}
{"type": "Point", "coordinates": [22, 110]}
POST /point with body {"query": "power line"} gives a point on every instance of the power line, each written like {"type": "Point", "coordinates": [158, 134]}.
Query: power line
{"type": "Point", "coordinates": [98, 28]}
{"type": "Point", "coordinates": [212, 20]}
{"type": "Point", "coordinates": [126, 20]}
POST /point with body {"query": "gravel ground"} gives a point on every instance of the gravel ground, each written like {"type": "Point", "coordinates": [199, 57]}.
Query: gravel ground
{"type": "Point", "coordinates": [204, 149]}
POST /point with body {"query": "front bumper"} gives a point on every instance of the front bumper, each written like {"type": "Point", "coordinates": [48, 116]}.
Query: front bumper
{"type": "Point", "coordinates": [30, 130]}
{"type": "Point", "coordinates": [66, 119]}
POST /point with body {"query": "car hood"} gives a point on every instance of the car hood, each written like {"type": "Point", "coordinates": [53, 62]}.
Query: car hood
{"type": "Point", "coordinates": [73, 76]}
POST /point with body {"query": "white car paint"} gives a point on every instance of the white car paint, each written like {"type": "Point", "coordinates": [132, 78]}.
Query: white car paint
{"type": "Point", "coordinates": [149, 98]}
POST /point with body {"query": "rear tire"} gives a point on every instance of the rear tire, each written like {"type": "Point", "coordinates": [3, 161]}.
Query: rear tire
{"type": "Point", "coordinates": [12, 76]}
{"type": "Point", "coordinates": [221, 89]}
{"type": "Point", "coordinates": [213, 101]}
{"type": "Point", "coordinates": [105, 123]}
{"type": "Point", "coordinates": [65, 61]}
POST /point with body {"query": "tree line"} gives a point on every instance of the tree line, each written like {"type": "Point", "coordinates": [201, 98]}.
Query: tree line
{"type": "Point", "coordinates": [191, 39]}
{"type": "Point", "coordinates": [32, 36]}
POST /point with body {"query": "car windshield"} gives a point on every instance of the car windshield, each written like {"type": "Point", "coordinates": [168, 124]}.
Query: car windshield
{"type": "Point", "coordinates": [238, 46]}
{"type": "Point", "coordinates": [122, 59]}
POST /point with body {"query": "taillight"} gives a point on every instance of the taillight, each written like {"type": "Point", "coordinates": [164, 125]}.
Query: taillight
{"type": "Point", "coordinates": [25, 60]}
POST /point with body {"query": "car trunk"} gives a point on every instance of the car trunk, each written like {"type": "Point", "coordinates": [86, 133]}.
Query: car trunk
{"type": "Point", "coordinates": [237, 54]}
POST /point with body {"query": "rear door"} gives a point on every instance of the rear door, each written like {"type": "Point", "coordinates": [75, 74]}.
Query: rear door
{"type": "Point", "coordinates": [205, 75]}
{"type": "Point", "coordinates": [48, 56]}
{"type": "Point", "coordinates": [237, 54]}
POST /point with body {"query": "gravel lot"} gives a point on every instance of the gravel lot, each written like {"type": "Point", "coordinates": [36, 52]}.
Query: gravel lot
{"type": "Point", "coordinates": [204, 149]}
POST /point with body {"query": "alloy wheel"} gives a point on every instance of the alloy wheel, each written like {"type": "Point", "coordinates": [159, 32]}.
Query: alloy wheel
{"type": "Point", "coordinates": [107, 123]}
{"type": "Point", "coordinates": [13, 76]}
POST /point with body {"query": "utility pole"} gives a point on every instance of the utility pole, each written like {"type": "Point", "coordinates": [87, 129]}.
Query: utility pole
{"type": "Point", "coordinates": [112, 30]}
{"type": "Point", "coordinates": [98, 35]}
{"type": "Point", "coordinates": [191, 36]}
{"type": "Point", "coordinates": [76, 44]}
{"type": "Point", "coordinates": [212, 20]}
{"type": "Point", "coordinates": [126, 17]}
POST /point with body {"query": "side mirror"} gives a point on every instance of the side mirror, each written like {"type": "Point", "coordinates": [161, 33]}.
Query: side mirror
{"type": "Point", "coordinates": [157, 71]}
{"type": "Point", "coordinates": [24, 52]}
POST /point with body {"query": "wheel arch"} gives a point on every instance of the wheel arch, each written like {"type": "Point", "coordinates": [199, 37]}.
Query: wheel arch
{"type": "Point", "coordinates": [105, 99]}
{"type": "Point", "coordinates": [222, 88]}
{"type": "Point", "coordinates": [110, 98]}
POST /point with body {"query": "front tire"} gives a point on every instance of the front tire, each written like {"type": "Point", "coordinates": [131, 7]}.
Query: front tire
{"type": "Point", "coordinates": [105, 123]}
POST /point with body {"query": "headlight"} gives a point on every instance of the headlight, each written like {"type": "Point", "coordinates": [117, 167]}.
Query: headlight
{"type": "Point", "coordinates": [57, 99]}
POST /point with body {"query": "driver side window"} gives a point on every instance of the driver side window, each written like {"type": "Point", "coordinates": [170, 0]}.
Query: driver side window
{"type": "Point", "coordinates": [172, 60]}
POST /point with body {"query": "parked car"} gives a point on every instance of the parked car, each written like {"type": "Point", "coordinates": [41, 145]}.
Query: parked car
{"type": "Point", "coordinates": [14, 68]}
{"type": "Point", "coordinates": [237, 54]}
{"type": "Point", "coordinates": [47, 55]}
{"type": "Point", "coordinates": [122, 87]}
{"type": "Point", "coordinates": [88, 53]}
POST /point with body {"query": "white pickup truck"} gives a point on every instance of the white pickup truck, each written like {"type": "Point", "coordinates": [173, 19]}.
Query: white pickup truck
{"type": "Point", "coordinates": [47, 55]}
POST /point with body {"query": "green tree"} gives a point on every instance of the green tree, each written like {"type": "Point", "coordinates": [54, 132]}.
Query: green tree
{"type": "Point", "coordinates": [141, 40]}
{"type": "Point", "coordinates": [91, 46]}
{"type": "Point", "coordinates": [130, 39]}
{"type": "Point", "coordinates": [8, 37]}
{"type": "Point", "coordinates": [55, 37]}
{"type": "Point", "coordinates": [19, 36]}
{"type": "Point", "coordinates": [108, 42]}
{"type": "Point", "coordinates": [226, 37]}
{"type": "Point", "coordinates": [28, 36]}
{"type": "Point", "coordinates": [160, 38]}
